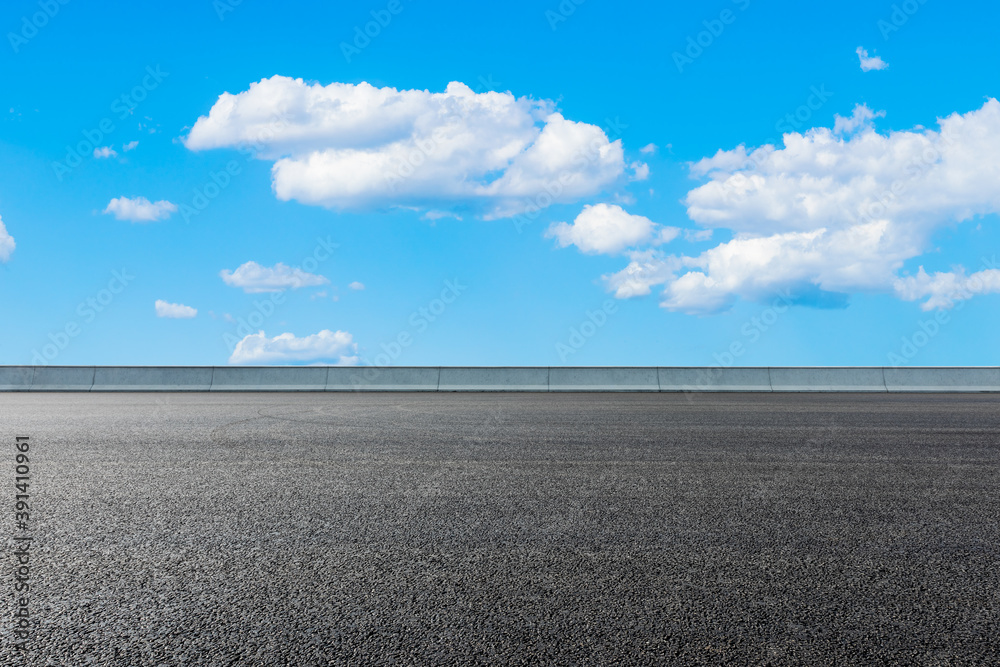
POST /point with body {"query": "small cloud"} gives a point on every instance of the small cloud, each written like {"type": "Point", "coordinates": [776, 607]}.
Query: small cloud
{"type": "Point", "coordinates": [862, 117]}
{"type": "Point", "coordinates": [868, 64]}
{"type": "Point", "coordinates": [666, 235]}
{"type": "Point", "coordinates": [437, 215]}
{"type": "Point", "coordinates": [356, 285]}
{"type": "Point", "coordinates": [648, 149]}
{"type": "Point", "coordinates": [174, 310]}
{"type": "Point", "coordinates": [130, 146]}
{"type": "Point", "coordinates": [6, 243]}
{"type": "Point", "coordinates": [336, 346]}
{"type": "Point", "coordinates": [140, 209]}
{"type": "Point", "coordinates": [696, 235]}
{"type": "Point", "coordinates": [605, 229]}
{"type": "Point", "coordinates": [640, 171]}
{"type": "Point", "coordinates": [104, 152]}
{"type": "Point", "coordinates": [253, 278]}
{"type": "Point", "coordinates": [318, 295]}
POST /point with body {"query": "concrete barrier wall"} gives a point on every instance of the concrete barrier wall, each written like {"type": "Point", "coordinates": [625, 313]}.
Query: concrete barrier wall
{"type": "Point", "coordinates": [152, 378]}
{"type": "Point", "coordinates": [383, 378]}
{"type": "Point", "coordinates": [603, 379]}
{"type": "Point", "coordinates": [432, 378]}
{"type": "Point", "coordinates": [713, 379]}
{"type": "Point", "coordinates": [269, 378]}
{"type": "Point", "coordinates": [494, 379]}
{"type": "Point", "coordinates": [63, 378]}
{"type": "Point", "coordinates": [827, 379]}
{"type": "Point", "coordinates": [942, 379]}
{"type": "Point", "coordinates": [16, 378]}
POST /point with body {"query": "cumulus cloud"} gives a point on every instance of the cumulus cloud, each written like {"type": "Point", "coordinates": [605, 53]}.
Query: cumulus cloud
{"type": "Point", "coordinates": [648, 149]}
{"type": "Point", "coordinates": [6, 243]}
{"type": "Point", "coordinates": [868, 64]}
{"type": "Point", "coordinates": [829, 215]}
{"type": "Point", "coordinates": [174, 310]}
{"type": "Point", "coordinates": [333, 346]}
{"type": "Point", "coordinates": [356, 285]}
{"type": "Point", "coordinates": [347, 146]}
{"type": "Point", "coordinates": [608, 229]}
{"type": "Point", "coordinates": [254, 278]}
{"type": "Point", "coordinates": [943, 289]}
{"type": "Point", "coordinates": [130, 146]}
{"type": "Point", "coordinates": [139, 209]}
{"type": "Point", "coordinates": [105, 152]}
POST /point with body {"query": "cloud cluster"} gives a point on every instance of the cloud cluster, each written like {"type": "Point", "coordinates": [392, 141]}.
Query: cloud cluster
{"type": "Point", "coordinates": [6, 243]}
{"type": "Point", "coordinates": [254, 278]}
{"type": "Point", "coordinates": [348, 146]}
{"type": "Point", "coordinates": [334, 346]}
{"type": "Point", "coordinates": [943, 289]}
{"type": "Point", "coordinates": [174, 310]}
{"type": "Point", "coordinates": [831, 213]}
{"type": "Point", "coordinates": [140, 209]}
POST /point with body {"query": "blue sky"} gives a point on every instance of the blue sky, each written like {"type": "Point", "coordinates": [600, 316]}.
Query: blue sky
{"type": "Point", "coordinates": [525, 183]}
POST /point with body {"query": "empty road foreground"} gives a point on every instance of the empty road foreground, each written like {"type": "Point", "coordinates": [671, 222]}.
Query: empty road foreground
{"type": "Point", "coordinates": [310, 529]}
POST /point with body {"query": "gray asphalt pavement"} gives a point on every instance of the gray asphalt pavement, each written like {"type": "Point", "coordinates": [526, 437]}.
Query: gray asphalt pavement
{"type": "Point", "coordinates": [311, 529]}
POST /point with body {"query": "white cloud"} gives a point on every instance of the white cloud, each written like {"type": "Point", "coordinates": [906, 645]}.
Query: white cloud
{"type": "Point", "coordinates": [608, 229]}
{"type": "Point", "coordinates": [254, 278]}
{"type": "Point", "coordinates": [640, 171]}
{"type": "Point", "coordinates": [697, 235]}
{"type": "Point", "coordinates": [7, 244]}
{"type": "Point", "coordinates": [862, 117]}
{"type": "Point", "coordinates": [104, 152]}
{"type": "Point", "coordinates": [174, 310]}
{"type": "Point", "coordinates": [347, 146]}
{"type": "Point", "coordinates": [356, 285]}
{"type": "Point", "coordinates": [139, 209]}
{"type": "Point", "coordinates": [868, 64]}
{"type": "Point", "coordinates": [257, 348]}
{"type": "Point", "coordinates": [828, 215]}
{"type": "Point", "coordinates": [646, 269]}
{"type": "Point", "coordinates": [942, 290]}
{"type": "Point", "coordinates": [130, 146]}
{"type": "Point", "coordinates": [648, 149]}
{"type": "Point", "coordinates": [438, 215]}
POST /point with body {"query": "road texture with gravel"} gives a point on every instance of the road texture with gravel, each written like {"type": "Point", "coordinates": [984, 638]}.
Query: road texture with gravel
{"type": "Point", "coordinates": [311, 529]}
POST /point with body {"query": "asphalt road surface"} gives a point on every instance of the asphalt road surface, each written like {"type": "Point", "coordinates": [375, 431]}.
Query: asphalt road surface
{"type": "Point", "coordinates": [311, 529]}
